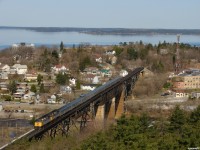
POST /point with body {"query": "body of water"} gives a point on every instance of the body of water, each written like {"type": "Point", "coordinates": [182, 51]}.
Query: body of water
{"type": "Point", "coordinates": [11, 36]}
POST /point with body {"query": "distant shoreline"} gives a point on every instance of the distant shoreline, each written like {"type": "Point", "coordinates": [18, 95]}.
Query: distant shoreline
{"type": "Point", "coordinates": [71, 45]}
{"type": "Point", "coordinates": [110, 31]}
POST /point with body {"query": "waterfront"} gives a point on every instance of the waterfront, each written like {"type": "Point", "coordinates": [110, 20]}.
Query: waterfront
{"type": "Point", "coordinates": [11, 36]}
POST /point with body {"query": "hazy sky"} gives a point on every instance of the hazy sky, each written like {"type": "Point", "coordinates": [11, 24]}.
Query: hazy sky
{"type": "Point", "coordinates": [101, 13]}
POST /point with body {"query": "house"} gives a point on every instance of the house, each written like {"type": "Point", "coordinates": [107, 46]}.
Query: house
{"type": "Point", "coordinates": [18, 95]}
{"type": "Point", "coordinates": [180, 93]}
{"type": "Point", "coordinates": [163, 51]}
{"type": "Point", "coordinates": [4, 68]}
{"type": "Point", "coordinates": [98, 58]}
{"type": "Point", "coordinates": [95, 80]}
{"type": "Point", "coordinates": [59, 69]}
{"type": "Point", "coordinates": [110, 52]}
{"type": "Point", "coordinates": [89, 78]}
{"type": "Point", "coordinates": [1, 107]}
{"type": "Point", "coordinates": [30, 77]}
{"type": "Point", "coordinates": [106, 73]}
{"type": "Point", "coordinates": [4, 71]}
{"type": "Point", "coordinates": [18, 69]}
{"type": "Point", "coordinates": [113, 60]}
{"type": "Point", "coordinates": [4, 86]}
{"type": "Point", "coordinates": [51, 100]}
{"type": "Point", "coordinates": [65, 89]}
{"type": "Point", "coordinates": [123, 73]}
{"type": "Point", "coordinates": [89, 87]}
{"type": "Point", "coordinates": [22, 87]}
{"type": "Point", "coordinates": [48, 84]}
{"type": "Point", "coordinates": [4, 76]}
{"type": "Point", "coordinates": [91, 70]}
{"type": "Point", "coordinates": [37, 99]}
{"type": "Point", "coordinates": [29, 96]}
{"type": "Point", "coordinates": [22, 44]}
{"type": "Point", "coordinates": [195, 95]}
{"type": "Point", "coordinates": [72, 81]}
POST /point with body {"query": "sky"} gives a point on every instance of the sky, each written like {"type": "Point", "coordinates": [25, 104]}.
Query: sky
{"type": "Point", "coordinates": [164, 14]}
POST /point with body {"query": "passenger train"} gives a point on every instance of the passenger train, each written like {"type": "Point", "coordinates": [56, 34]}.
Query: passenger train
{"type": "Point", "coordinates": [47, 118]}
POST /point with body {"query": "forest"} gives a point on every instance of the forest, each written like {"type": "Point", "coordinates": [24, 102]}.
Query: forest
{"type": "Point", "coordinates": [180, 131]}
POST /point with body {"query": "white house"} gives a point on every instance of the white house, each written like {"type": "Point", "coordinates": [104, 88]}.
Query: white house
{"type": "Point", "coordinates": [3, 75]}
{"type": "Point", "coordinates": [29, 95]}
{"type": "Point", "coordinates": [1, 107]}
{"type": "Point", "coordinates": [19, 69]}
{"type": "Point", "coordinates": [4, 71]}
{"type": "Point", "coordinates": [91, 70]}
{"type": "Point", "coordinates": [110, 52]}
{"type": "Point", "coordinates": [72, 81]}
{"type": "Point", "coordinates": [195, 95]}
{"type": "Point", "coordinates": [123, 73]}
{"type": "Point", "coordinates": [95, 80]}
{"type": "Point", "coordinates": [89, 87]}
{"type": "Point", "coordinates": [181, 94]}
{"type": "Point", "coordinates": [37, 99]}
{"type": "Point", "coordinates": [4, 68]}
{"type": "Point", "coordinates": [59, 68]}
{"type": "Point", "coordinates": [30, 77]}
{"type": "Point", "coordinates": [99, 60]}
{"type": "Point", "coordinates": [106, 73]}
{"type": "Point", "coordinates": [65, 89]}
{"type": "Point", "coordinates": [51, 100]}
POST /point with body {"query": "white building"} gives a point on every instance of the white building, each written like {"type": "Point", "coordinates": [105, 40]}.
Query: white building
{"type": "Point", "coordinates": [19, 69]}
{"type": "Point", "coordinates": [29, 95]}
{"type": "Point", "coordinates": [15, 46]}
{"type": "Point", "coordinates": [4, 68]}
{"type": "Point", "coordinates": [72, 81]}
{"type": "Point", "coordinates": [51, 100]}
{"type": "Point", "coordinates": [65, 89]}
{"type": "Point", "coordinates": [110, 52]}
{"type": "Point", "coordinates": [123, 73]}
{"type": "Point", "coordinates": [181, 94]}
{"type": "Point", "coordinates": [95, 80]}
{"type": "Point", "coordinates": [89, 87]}
{"type": "Point", "coordinates": [1, 107]}
{"type": "Point", "coordinates": [60, 68]}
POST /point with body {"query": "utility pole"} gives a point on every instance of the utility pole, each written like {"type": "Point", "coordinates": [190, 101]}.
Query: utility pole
{"type": "Point", "coordinates": [177, 66]}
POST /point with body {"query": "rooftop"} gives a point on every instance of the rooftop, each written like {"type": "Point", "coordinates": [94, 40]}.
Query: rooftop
{"type": "Point", "coordinates": [190, 72]}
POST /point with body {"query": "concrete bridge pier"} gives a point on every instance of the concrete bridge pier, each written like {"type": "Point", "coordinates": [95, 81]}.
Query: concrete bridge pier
{"type": "Point", "coordinates": [111, 111]}
{"type": "Point", "coordinates": [120, 105]}
{"type": "Point", "coordinates": [100, 112]}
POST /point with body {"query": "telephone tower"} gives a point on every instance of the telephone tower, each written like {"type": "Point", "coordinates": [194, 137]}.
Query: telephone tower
{"type": "Point", "coordinates": [177, 63]}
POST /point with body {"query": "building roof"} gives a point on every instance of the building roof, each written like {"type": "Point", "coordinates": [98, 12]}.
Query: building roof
{"type": "Point", "coordinates": [19, 66]}
{"type": "Point", "coordinates": [191, 72]}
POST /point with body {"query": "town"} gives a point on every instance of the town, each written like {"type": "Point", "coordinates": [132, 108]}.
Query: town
{"type": "Point", "coordinates": [59, 75]}
{"type": "Point", "coordinates": [36, 80]}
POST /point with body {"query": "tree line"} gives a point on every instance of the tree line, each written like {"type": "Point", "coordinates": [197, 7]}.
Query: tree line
{"type": "Point", "coordinates": [180, 131]}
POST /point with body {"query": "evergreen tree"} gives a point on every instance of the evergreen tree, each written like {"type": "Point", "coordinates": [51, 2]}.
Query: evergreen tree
{"type": "Point", "coordinates": [61, 78]}
{"type": "Point", "coordinates": [177, 119]}
{"type": "Point", "coordinates": [33, 88]}
{"type": "Point", "coordinates": [195, 115]}
{"type": "Point", "coordinates": [42, 88]}
{"type": "Point", "coordinates": [12, 87]}
{"type": "Point", "coordinates": [61, 46]}
{"type": "Point", "coordinates": [132, 53]}
{"type": "Point", "coordinates": [39, 79]}
{"type": "Point", "coordinates": [78, 84]}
